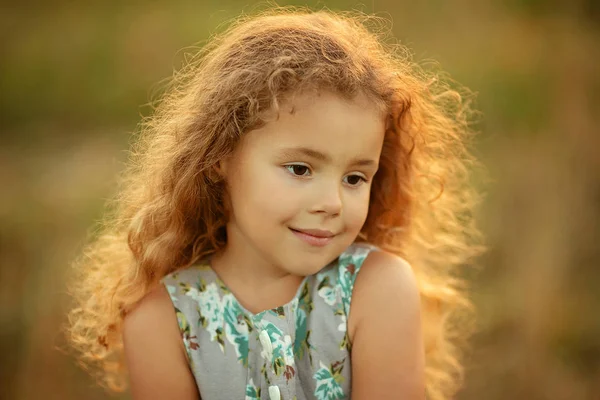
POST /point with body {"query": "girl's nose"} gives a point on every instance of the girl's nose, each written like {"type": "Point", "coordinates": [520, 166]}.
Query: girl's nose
{"type": "Point", "coordinates": [328, 200]}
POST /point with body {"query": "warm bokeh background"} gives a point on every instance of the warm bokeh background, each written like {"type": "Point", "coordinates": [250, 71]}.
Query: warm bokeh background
{"type": "Point", "coordinates": [74, 78]}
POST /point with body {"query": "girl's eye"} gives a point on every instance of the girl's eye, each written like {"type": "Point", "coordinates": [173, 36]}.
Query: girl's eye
{"type": "Point", "coordinates": [298, 169]}
{"type": "Point", "coordinates": [354, 180]}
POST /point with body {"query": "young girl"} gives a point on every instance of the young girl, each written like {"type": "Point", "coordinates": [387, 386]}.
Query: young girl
{"type": "Point", "coordinates": [259, 246]}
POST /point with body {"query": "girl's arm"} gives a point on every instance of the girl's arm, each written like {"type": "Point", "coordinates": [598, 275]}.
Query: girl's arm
{"type": "Point", "coordinates": [385, 330]}
{"type": "Point", "coordinates": [154, 351]}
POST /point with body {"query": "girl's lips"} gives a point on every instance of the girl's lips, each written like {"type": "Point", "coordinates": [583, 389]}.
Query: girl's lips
{"type": "Point", "coordinates": [314, 237]}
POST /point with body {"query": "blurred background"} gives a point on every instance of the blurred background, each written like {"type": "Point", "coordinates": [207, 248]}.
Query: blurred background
{"type": "Point", "coordinates": [75, 78]}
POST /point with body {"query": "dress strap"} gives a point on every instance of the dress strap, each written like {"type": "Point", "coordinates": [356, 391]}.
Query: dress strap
{"type": "Point", "coordinates": [349, 264]}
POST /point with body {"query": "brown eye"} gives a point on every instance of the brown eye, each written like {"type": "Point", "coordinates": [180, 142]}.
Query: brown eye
{"type": "Point", "coordinates": [298, 169]}
{"type": "Point", "coordinates": [354, 180]}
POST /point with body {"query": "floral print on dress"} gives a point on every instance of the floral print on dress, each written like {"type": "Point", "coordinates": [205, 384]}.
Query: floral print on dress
{"type": "Point", "coordinates": [347, 272]}
{"type": "Point", "coordinates": [252, 391]}
{"type": "Point", "coordinates": [304, 307]}
{"type": "Point", "coordinates": [278, 312]}
{"type": "Point", "coordinates": [222, 317]}
{"type": "Point", "coordinates": [338, 295]}
{"type": "Point", "coordinates": [328, 381]}
{"type": "Point", "coordinates": [331, 295]}
{"type": "Point", "coordinates": [184, 326]}
{"type": "Point", "coordinates": [327, 292]}
{"type": "Point", "coordinates": [210, 310]}
{"type": "Point", "coordinates": [236, 327]}
{"type": "Point", "coordinates": [307, 337]}
{"type": "Point", "coordinates": [282, 356]}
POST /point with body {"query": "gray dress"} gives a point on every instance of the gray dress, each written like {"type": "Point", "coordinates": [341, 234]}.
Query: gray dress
{"type": "Point", "coordinates": [297, 351]}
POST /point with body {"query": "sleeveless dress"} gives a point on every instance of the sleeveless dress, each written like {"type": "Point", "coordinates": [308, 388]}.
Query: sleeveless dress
{"type": "Point", "coordinates": [298, 351]}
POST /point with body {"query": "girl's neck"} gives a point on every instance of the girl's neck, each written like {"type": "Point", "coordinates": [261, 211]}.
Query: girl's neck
{"type": "Point", "coordinates": [257, 284]}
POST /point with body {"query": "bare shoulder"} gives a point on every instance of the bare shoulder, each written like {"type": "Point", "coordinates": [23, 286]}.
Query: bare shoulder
{"type": "Point", "coordinates": [153, 314]}
{"type": "Point", "coordinates": [384, 280]}
{"type": "Point", "coordinates": [153, 301]}
{"type": "Point", "coordinates": [154, 351]}
{"type": "Point", "coordinates": [385, 324]}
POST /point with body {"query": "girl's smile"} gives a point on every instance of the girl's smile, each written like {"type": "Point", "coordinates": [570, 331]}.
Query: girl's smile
{"type": "Point", "coordinates": [314, 237]}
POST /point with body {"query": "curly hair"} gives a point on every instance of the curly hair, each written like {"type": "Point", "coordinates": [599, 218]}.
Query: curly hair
{"type": "Point", "coordinates": [168, 213]}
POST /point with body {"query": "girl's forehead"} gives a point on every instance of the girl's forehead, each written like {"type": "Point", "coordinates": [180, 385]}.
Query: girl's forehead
{"type": "Point", "coordinates": [306, 100]}
{"type": "Point", "coordinates": [325, 122]}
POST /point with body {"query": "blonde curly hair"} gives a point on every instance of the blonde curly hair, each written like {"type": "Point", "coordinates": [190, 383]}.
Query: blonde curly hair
{"type": "Point", "coordinates": [167, 212]}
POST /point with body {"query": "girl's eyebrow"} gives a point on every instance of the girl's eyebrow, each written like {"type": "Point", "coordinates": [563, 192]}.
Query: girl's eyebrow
{"type": "Point", "coordinates": [317, 155]}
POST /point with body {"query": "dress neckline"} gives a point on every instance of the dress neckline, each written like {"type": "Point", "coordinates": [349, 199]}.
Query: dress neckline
{"type": "Point", "coordinates": [260, 314]}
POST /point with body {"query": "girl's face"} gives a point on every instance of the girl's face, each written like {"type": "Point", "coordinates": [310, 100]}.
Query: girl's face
{"type": "Point", "coordinates": [299, 186]}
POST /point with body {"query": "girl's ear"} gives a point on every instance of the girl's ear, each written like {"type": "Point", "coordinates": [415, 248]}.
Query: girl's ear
{"type": "Point", "coordinates": [220, 169]}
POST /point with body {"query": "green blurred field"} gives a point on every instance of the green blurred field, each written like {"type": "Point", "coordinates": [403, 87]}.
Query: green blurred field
{"type": "Point", "coordinates": [75, 77]}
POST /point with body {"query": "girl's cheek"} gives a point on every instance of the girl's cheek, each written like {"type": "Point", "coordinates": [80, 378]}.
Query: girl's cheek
{"type": "Point", "coordinates": [360, 210]}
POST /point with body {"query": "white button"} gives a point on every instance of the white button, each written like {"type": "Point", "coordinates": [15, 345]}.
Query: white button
{"type": "Point", "coordinates": [265, 340]}
{"type": "Point", "coordinates": [274, 393]}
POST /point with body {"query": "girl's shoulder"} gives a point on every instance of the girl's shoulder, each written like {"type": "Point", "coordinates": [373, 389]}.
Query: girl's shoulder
{"type": "Point", "coordinates": [153, 350]}
{"type": "Point", "coordinates": [386, 282]}
{"type": "Point", "coordinates": [379, 269]}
